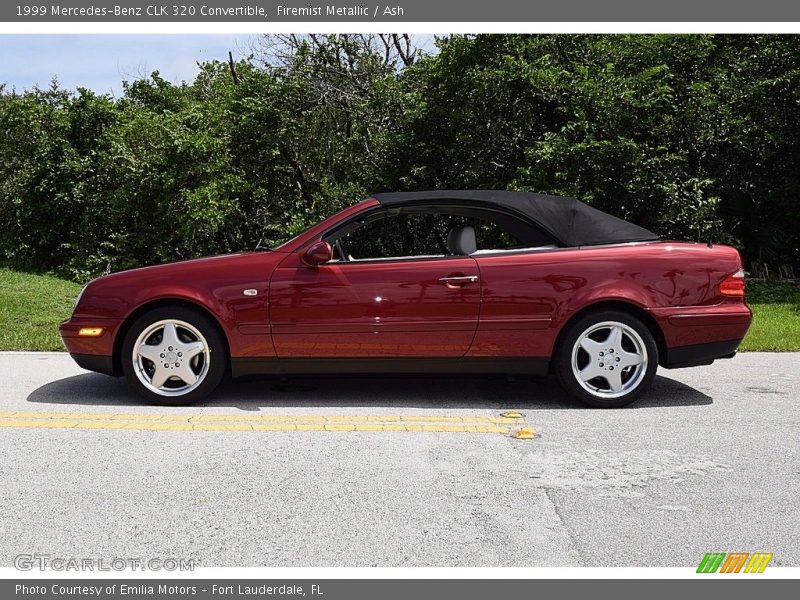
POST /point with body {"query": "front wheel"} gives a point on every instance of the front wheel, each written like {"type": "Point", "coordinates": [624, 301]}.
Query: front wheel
{"type": "Point", "coordinates": [173, 355]}
{"type": "Point", "coordinates": [606, 359]}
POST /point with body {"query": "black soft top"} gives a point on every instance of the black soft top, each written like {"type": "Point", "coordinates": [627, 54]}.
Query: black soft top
{"type": "Point", "coordinates": [568, 220]}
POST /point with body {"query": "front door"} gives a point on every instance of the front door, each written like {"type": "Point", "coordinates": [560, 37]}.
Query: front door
{"type": "Point", "coordinates": [424, 307]}
{"type": "Point", "coordinates": [393, 290]}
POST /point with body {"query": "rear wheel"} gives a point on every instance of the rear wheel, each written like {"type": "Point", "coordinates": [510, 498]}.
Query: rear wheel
{"type": "Point", "coordinates": [173, 355]}
{"type": "Point", "coordinates": [606, 359]}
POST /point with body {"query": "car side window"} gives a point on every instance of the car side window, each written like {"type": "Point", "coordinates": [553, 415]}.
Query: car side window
{"type": "Point", "coordinates": [395, 236]}
{"type": "Point", "coordinates": [417, 234]}
{"type": "Point", "coordinates": [490, 236]}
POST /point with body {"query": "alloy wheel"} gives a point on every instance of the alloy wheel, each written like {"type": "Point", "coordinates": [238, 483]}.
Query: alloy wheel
{"type": "Point", "coordinates": [609, 359]}
{"type": "Point", "coordinates": [171, 357]}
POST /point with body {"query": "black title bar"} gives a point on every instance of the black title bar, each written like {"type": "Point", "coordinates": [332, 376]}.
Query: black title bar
{"type": "Point", "coordinates": [441, 11]}
{"type": "Point", "coordinates": [371, 589]}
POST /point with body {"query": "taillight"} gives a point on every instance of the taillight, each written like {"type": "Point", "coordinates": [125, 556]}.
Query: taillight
{"type": "Point", "coordinates": [733, 285]}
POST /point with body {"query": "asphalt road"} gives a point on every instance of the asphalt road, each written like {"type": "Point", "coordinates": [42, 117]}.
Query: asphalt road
{"type": "Point", "coordinates": [402, 471]}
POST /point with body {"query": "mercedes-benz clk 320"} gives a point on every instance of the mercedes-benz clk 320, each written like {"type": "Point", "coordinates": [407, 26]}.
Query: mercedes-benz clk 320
{"type": "Point", "coordinates": [423, 282]}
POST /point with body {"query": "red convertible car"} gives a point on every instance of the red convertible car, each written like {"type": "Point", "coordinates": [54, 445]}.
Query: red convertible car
{"type": "Point", "coordinates": [446, 282]}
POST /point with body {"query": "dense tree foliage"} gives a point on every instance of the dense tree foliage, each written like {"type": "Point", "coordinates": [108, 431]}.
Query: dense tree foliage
{"type": "Point", "coordinates": [691, 136]}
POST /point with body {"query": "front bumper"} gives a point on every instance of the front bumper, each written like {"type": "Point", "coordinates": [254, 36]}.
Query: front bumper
{"type": "Point", "coordinates": [96, 363]}
{"type": "Point", "coordinates": [92, 353]}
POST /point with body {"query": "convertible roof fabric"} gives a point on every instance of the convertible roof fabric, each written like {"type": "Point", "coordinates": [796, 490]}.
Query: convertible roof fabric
{"type": "Point", "coordinates": [568, 220]}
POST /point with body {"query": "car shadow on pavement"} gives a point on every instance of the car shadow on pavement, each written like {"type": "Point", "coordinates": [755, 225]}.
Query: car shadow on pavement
{"type": "Point", "coordinates": [365, 391]}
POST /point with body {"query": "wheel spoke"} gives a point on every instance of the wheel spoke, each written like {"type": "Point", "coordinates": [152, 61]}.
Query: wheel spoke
{"type": "Point", "coordinates": [590, 371]}
{"type": "Point", "coordinates": [170, 335]}
{"type": "Point", "coordinates": [160, 377]}
{"type": "Point", "coordinates": [629, 359]}
{"type": "Point", "coordinates": [590, 346]}
{"type": "Point", "coordinates": [185, 373]}
{"type": "Point", "coordinates": [151, 353]}
{"type": "Point", "coordinates": [192, 349]}
{"type": "Point", "coordinates": [614, 379]}
{"type": "Point", "coordinates": [614, 339]}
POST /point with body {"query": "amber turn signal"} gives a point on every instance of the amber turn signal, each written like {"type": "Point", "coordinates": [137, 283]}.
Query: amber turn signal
{"type": "Point", "coordinates": [90, 331]}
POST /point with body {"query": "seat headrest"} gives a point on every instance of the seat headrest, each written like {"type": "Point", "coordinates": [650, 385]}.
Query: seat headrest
{"type": "Point", "coordinates": [461, 240]}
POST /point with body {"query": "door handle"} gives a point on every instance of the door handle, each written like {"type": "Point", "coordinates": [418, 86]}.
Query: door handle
{"type": "Point", "coordinates": [458, 279]}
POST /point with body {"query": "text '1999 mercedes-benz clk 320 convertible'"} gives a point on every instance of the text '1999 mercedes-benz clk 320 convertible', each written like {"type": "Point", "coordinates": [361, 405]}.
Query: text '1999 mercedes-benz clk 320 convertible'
{"type": "Point", "coordinates": [423, 282]}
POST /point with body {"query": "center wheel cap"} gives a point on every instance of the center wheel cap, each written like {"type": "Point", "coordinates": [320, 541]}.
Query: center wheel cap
{"type": "Point", "coordinates": [171, 357]}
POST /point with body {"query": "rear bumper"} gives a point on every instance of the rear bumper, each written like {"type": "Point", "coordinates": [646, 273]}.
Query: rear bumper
{"type": "Point", "coordinates": [699, 354]}
{"type": "Point", "coordinates": [724, 323]}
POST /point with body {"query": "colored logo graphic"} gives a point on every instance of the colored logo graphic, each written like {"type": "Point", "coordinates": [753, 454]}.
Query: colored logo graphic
{"type": "Point", "coordinates": [734, 562]}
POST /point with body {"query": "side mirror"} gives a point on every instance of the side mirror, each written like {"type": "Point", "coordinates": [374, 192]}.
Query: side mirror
{"type": "Point", "coordinates": [318, 253]}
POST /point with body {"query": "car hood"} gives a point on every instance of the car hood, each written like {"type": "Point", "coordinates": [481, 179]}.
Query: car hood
{"type": "Point", "coordinates": [189, 263]}
{"type": "Point", "coordinates": [225, 266]}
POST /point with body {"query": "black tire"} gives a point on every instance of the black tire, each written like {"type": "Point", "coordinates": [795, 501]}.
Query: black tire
{"type": "Point", "coordinates": [563, 356]}
{"type": "Point", "coordinates": [217, 354]}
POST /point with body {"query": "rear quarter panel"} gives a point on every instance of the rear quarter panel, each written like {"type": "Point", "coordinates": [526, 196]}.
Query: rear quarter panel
{"type": "Point", "coordinates": [528, 298]}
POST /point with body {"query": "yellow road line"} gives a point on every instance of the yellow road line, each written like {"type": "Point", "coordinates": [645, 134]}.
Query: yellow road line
{"type": "Point", "coordinates": [298, 417]}
{"type": "Point", "coordinates": [261, 422]}
{"type": "Point", "coordinates": [466, 419]}
{"type": "Point", "coordinates": [174, 425]}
